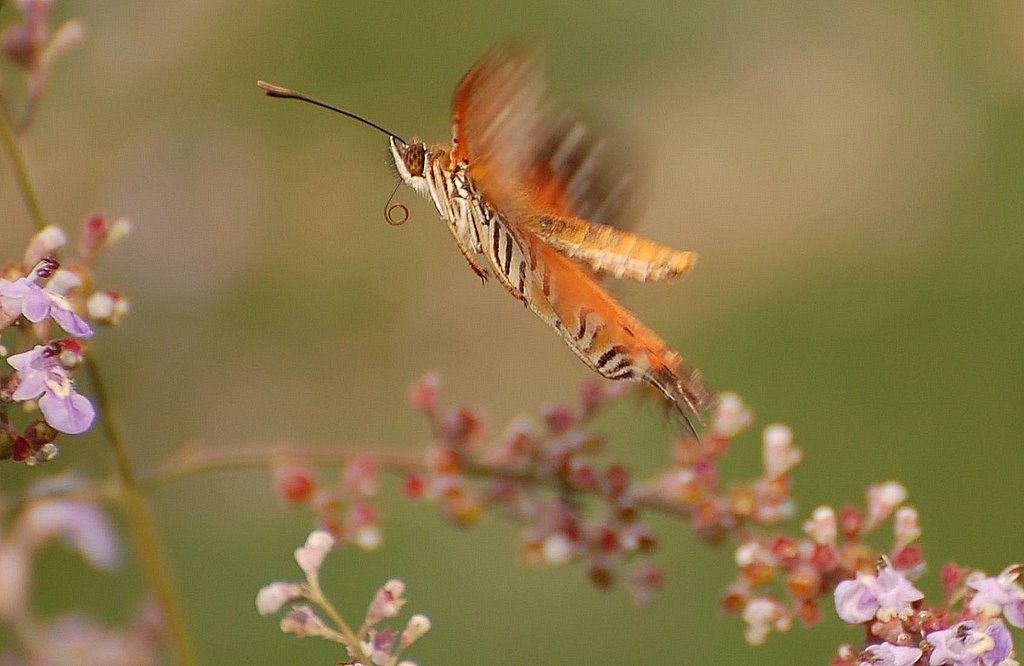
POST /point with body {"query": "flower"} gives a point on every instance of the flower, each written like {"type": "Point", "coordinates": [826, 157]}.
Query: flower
{"type": "Point", "coordinates": [387, 602]}
{"type": "Point", "coordinates": [43, 374]}
{"type": "Point", "coordinates": [303, 621]}
{"type": "Point", "coordinates": [884, 596]}
{"type": "Point", "coordinates": [995, 594]}
{"type": "Point", "coordinates": [762, 614]}
{"type": "Point", "coordinates": [25, 296]}
{"type": "Point", "coordinates": [273, 597]}
{"type": "Point", "coordinates": [969, 643]}
{"type": "Point", "coordinates": [887, 654]}
{"type": "Point", "coordinates": [311, 555]}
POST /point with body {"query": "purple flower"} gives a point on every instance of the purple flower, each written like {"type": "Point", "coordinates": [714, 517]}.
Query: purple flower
{"type": "Point", "coordinates": [25, 296]}
{"type": "Point", "coordinates": [42, 374]}
{"type": "Point", "coordinates": [887, 654]}
{"type": "Point", "coordinates": [995, 594]}
{"type": "Point", "coordinates": [887, 595]}
{"type": "Point", "coordinates": [970, 644]}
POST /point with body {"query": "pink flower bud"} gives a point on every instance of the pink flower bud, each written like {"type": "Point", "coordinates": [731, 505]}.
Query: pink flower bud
{"type": "Point", "coordinates": [731, 416]}
{"type": "Point", "coordinates": [906, 527]}
{"type": "Point", "coordinates": [311, 556]}
{"type": "Point", "coordinates": [273, 597]}
{"type": "Point", "coordinates": [778, 453]}
{"type": "Point", "coordinates": [417, 626]}
{"type": "Point", "coordinates": [47, 240]}
{"type": "Point", "coordinates": [822, 527]}
{"type": "Point", "coordinates": [302, 621]}
{"type": "Point", "coordinates": [387, 602]}
{"type": "Point", "coordinates": [107, 307]}
{"type": "Point", "coordinates": [422, 393]}
{"type": "Point", "coordinates": [882, 499]}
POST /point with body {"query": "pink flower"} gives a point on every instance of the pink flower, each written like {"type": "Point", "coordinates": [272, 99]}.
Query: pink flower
{"type": "Point", "coordinates": [387, 602]}
{"type": "Point", "coordinates": [311, 555]}
{"type": "Point", "coordinates": [43, 374]}
{"type": "Point", "coordinates": [969, 643]}
{"type": "Point", "coordinates": [887, 595]}
{"type": "Point", "coordinates": [995, 594]}
{"type": "Point", "coordinates": [887, 654]}
{"type": "Point", "coordinates": [25, 296]}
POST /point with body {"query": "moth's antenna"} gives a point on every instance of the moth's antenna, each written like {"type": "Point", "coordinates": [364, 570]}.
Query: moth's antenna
{"type": "Point", "coordinates": [288, 93]}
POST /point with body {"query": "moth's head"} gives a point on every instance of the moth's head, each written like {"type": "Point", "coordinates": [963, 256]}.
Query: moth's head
{"type": "Point", "coordinates": [411, 162]}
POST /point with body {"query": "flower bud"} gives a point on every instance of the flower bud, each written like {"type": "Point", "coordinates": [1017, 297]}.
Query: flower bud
{"type": "Point", "coordinates": [779, 455]}
{"type": "Point", "coordinates": [107, 307]}
{"type": "Point", "coordinates": [47, 240]}
{"type": "Point", "coordinates": [311, 555]}
{"type": "Point", "coordinates": [731, 415]}
{"type": "Point", "coordinates": [822, 527]}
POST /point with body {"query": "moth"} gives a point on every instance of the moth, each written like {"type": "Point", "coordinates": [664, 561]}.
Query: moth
{"type": "Point", "coordinates": [532, 197]}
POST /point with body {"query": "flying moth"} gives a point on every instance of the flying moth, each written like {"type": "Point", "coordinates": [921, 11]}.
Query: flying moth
{"type": "Point", "coordinates": [533, 198]}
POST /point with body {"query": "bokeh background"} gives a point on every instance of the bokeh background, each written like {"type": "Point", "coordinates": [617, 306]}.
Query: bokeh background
{"type": "Point", "coordinates": [851, 174]}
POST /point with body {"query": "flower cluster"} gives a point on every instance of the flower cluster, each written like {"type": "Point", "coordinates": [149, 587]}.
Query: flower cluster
{"type": "Point", "coordinates": [967, 629]}
{"type": "Point", "coordinates": [373, 643]}
{"type": "Point", "coordinates": [833, 548]}
{"type": "Point", "coordinates": [345, 508]}
{"type": "Point", "coordinates": [34, 295]}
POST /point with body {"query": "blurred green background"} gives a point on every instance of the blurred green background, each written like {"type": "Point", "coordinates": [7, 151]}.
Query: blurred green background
{"type": "Point", "coordinates": [851, 175]}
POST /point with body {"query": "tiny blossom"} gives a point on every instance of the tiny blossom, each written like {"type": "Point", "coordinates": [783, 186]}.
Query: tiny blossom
{"type": "Point", "coordinates": [882, 499]}
{"type": "Point", "coordinates": [108, 307]}
{"type": "Point", "coordinates": [378, 645]}
{"type": "Point", "coordinates": [731, 415]}
{"type": "Point", "coordinates": [995, 594]}
{"type": "Point", "coordinates": [368, 538]}
{"type": "Point", "coordinates": [822, 526]}
{"type": "Point", "coordinates": [42, 374]}
{"type": "Point", "coordinates": [25, 296]}
{"type": "Point", "coordinates": [311, 555]}
{"type": "Point", "coordinates": [778, 453]}
{"type": "Point", "coordinates": [969, 643]}
{"type": "Point", "coordinates": [557, 549]}
{"type": "Point", "coordinates": [762, 615]}
{"type": "Point", "coordinates": [422, 394]}
{"type": "Point", "coordinates": [387, 602]}
{"type": "Point", "coordinates": [887, 654]}
{"type": "Point", "coordinates": [273, 597]}
{"type": "Point", "coordinates": [303, 621]}
{"type": "Point", "coordinates": [294, 482]}
{"type": "Point", "coordinates": [47, 240]}
{"type": "Point", "coordinates": [82, 525]}
{"type": "Point", "coordinates": [887, 595]}
{"type": "Point", "coordinates": [414, 629]}
{"type": "Point", "coordinates": [63, 281]}
{"type": "Point", "coordinates": [906, 526]}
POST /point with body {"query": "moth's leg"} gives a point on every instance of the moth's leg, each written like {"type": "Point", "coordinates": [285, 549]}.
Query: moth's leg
{"type": "Point", "coordinates": [464, 232]}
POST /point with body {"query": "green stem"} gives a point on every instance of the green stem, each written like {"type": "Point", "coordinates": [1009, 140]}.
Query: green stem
{"type": "Point", "coordinates": [28, 193]}
{"type": "Point", "coordinates": [141, 524]}
{"type": "Point", "coordinates": [351, 640]}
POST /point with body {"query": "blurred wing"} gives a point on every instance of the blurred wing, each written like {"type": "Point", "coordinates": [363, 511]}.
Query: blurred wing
{"type": "Point", "coordinates": [522, 154]}
{"type": "Point", "coordinates": [604, 334]}
{"type": "Point", "coordinates": [606, 250]}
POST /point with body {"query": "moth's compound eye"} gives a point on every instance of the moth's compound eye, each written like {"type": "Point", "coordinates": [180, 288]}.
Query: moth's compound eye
{"type": "Point", "coordinates": [413, 158]}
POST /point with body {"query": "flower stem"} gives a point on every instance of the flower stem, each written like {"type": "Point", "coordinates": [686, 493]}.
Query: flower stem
{"type": "Point", "coordinates": [28, 193]}
{"type": "Point", "coordinates": [141, 524]}
{"type": "Point", "coordinates": [351, 640]}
